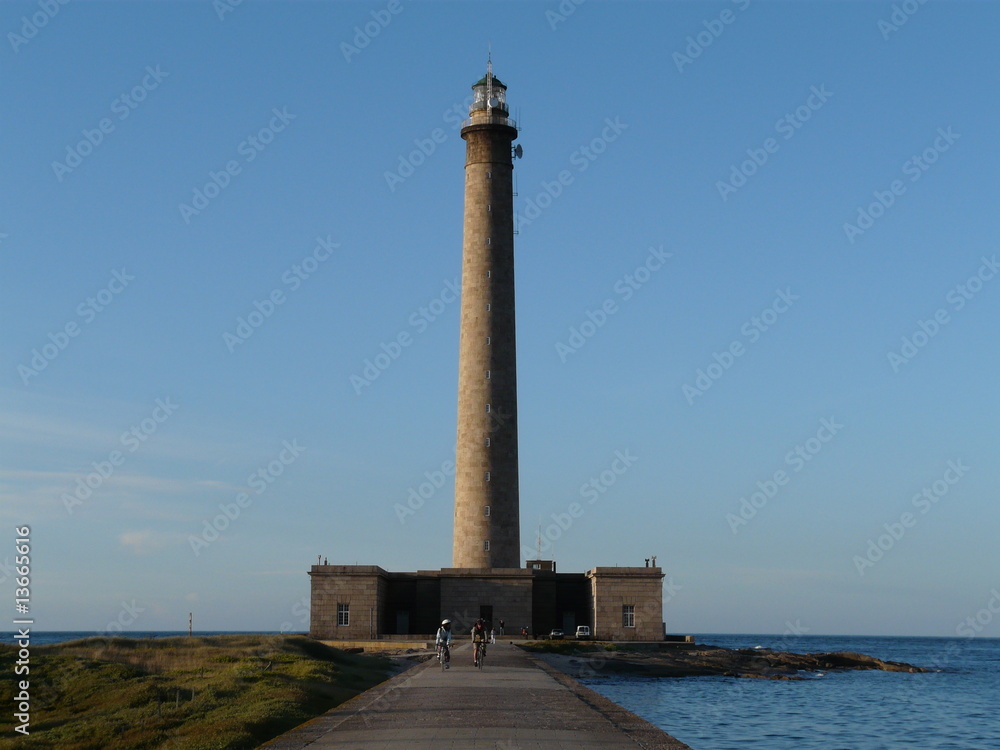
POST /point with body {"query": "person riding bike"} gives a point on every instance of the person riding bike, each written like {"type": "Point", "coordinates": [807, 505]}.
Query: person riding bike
{"type": "Point", "coordinates": [480, 637]}
{"type": "Point", "coordinates": [443, 643]}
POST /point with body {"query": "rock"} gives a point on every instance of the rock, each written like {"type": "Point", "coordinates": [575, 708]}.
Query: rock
{"type": "Point", "coordinates": [712, 660]}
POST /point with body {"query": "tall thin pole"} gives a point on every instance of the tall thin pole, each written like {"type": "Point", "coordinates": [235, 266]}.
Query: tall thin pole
{"type": "Point", "coordinates": [489, 80]}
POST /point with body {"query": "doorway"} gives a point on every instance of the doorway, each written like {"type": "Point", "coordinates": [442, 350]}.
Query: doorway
{"type": "Point", "coordinates": [486, 612]}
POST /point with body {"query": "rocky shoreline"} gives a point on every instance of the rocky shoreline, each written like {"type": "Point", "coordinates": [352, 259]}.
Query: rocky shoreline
{"type": "Point", "coordinates": [713, 660]}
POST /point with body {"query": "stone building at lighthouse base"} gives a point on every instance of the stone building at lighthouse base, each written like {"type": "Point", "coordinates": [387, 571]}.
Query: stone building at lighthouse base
{"type": "Point", "coordinates": [366, 602]}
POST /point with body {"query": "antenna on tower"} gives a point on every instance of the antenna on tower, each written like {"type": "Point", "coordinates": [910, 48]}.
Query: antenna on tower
{"type": "Point", "coordinates": [538, 543]}
{"type": "Point", "coordinates": [489, 78]}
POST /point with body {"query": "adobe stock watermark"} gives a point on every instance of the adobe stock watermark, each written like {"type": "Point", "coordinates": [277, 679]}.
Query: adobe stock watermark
{"type": "Point", "coordinates": [591, 664]}
{"type": "Point", "coordinates": [915, 167]}
{"type": "Point", "coordinates": [796, 460]}
{"type": "Point", "coordinates": [974, 625]}
{"type": "Point", "coordinates": [292, 279]}
{"type": "Point", "coordinates": [418, 496]}
{"type": "Point", "coordinates": [87, 311]}
{"type": "Point", "coordinates": [262, 477]}
{"type": "Point", "coordinates": [752, 330]}
{"type": "Point", "coordinates": [563, 11]}
{"type": "Point", "coordinates": [363, 35]}
{"type": "Point", "coordinates": [249, 148]}
{"type": "Point", "coordinates": [126, 618]}
{"type": "Point", "coordinates": [956, 299]}
{"type": "Point", "coordinates": [224, 7]}
{"type": "Point", "coordinates": [122, 107]}
{"type": "Point", "coordinates": [408, 164]}
{"type": "Point", "coordinates": [31, 25]}
{"type": "Point", "coordinates": [922, 502]}
{"type": "Point", "coordinates": [131, 440]}
{"type": "Point", "coordinates": [624, 289]}
{"type": "Point", "coordinates": [591, 491]}
{"type": "Point", "coordinates": [419, 321]}
{"type": "Point", "coordinates": [786, 127]}
{"type": "Point", "coordinates": [581, 158]}
{"type": "Point", "coordinates": [969, 627]}
{"type": "Point", "coordinates": [900, 16]}
{"type": "Point", "coordinates": [705, 38]}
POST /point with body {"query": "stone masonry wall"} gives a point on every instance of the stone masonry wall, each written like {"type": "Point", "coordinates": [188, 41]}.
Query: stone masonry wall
{"type": "Point", "coordinates": [486, 473]}
{"type": "Point", "coordinates": [510, 597]}
{"type": "Point", "coordinates": [362, 587]}
{"type": "Point", "coordinates": [640, 588]}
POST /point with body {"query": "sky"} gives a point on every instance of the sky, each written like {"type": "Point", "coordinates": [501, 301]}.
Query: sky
{"type": "Point", "coordinates": [757, 302]}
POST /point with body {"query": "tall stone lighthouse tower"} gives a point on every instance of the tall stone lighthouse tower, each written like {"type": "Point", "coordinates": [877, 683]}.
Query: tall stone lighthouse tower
{"type": "Point", "coordinates": [487, 522]}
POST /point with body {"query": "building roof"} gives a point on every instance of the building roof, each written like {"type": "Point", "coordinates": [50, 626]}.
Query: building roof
{"type": "Point", "coordinates": [482, 82]}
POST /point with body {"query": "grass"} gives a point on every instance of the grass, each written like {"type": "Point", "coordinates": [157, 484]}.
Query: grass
{"type": "Point", "coordinates": [203, 693]}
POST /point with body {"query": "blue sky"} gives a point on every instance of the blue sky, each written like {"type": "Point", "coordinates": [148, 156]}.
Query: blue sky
{"type": "Point", "coordinates": [738, 138]}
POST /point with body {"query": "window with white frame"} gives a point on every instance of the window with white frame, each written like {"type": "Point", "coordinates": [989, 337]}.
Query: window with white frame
{"type": "Point", "coordinates": [628, 615]}
{"type": "Point", "coordinates": [343, 614]}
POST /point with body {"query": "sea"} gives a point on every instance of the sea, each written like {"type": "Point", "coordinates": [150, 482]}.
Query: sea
{"type": "Point", "coordinates": [954, 707]}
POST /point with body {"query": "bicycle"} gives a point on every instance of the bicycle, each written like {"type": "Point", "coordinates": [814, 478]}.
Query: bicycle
{"type": "Point", "coordinates": [480, 656]}
{"type": "Point", "coordinates": [444, 656]}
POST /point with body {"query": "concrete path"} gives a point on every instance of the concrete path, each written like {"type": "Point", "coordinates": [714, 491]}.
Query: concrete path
{"type": "Point", "coordinates": [515, 703]}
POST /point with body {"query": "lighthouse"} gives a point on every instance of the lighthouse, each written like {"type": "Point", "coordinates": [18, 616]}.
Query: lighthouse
{"type": "Point", "coordinates": [487, 524]}
{"type": "Point", "coordinates": [351, 603]}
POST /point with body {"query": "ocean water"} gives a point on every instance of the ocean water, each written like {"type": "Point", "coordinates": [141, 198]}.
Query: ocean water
{"type": "Point", "coordinates": [956, 707]}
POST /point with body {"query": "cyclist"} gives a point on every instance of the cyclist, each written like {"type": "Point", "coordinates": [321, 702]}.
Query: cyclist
{"type": "Point", "coordinates": [479, 639]}
{"type": "Point", "coordinates": [443, 643]}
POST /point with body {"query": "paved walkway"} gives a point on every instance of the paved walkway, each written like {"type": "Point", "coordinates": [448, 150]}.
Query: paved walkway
{"type": "Point", "coordinates": [515, 703]}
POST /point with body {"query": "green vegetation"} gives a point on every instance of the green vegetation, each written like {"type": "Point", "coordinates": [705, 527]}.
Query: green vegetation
{"type": "Point", "coordinates": [202, 693]}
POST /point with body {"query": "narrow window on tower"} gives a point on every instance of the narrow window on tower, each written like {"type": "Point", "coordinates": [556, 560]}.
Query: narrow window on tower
{"type": "Point", "coordinates": [488, 307]}
{"type": "Point", "coordinates": [489, 241]}
{"type": "Point", "coordinates": [489, 175]}
{"type": "Point", "coordinates": [489, 274]}
{"type": "Point", "coordinates": [486, 546]}
{"type": "Point", "coordinates": [487, 442]}
{"type": "Point", "coordinates": [487, 476]}
{"type": "Point", "coordinates": [489, 207]}
{"type": "Point", "coordinates": [486, 511]}
{"type": "Point", "coordinates": [487, 374]}
{"type": "Point", "coordinates": [487, 341]}
{"type": "Point", "coordinates": [487, 408]}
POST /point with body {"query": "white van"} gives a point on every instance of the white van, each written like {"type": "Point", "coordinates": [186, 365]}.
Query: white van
{"type": "Point", "coordinates": [583, 632]}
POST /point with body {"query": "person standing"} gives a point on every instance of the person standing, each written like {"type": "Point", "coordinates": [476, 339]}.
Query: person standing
{"type": "Point", "coordinates": [501, 627]}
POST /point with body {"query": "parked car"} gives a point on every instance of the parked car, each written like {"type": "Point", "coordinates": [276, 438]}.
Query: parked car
{"type": "Point", "coordinates": [583, 632]}
{"type": "Point", "coordinates": [556, 634]}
